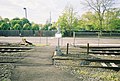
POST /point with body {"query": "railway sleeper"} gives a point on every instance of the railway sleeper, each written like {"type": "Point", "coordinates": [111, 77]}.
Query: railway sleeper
{"type": "Point", "coordinates": [107, 53]}
{"type": "Point", "coordinates": [113, 50]}
{"type": "Point", "coordinates": [113, 68]}
{"type": "Point", "coordinates": [10, 51]}
{"type": "Point", "coordinates": [104, 60]}
{"type": "Point", "coordinates": [16, 48]}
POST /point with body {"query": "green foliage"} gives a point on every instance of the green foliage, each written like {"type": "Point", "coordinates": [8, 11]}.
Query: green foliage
{"type": "Point", "coordinates": [17, 24]}
{"type": "Point", "coordinates": [114, 25]}
{"type": "Point", "coordinates": [90, 21]}
{"type": "Point", "coordinates": [68, 20]}
{"type": "Point", "coordinates": [14, 22]}
{"type": "Point", "coordinates": [100, 7]}
{"type": "Point", "coordinates": [27, 26]}
{"type": "Point", "coordinates": [4, 26]}
{"type": "Point", "coordinates": [112, 19]}
{"type": "Point", "coordinates": [6, 20]}
{"type": "Point", "coordinates": [17, 27]}
{"type": "Point", "coordinates": [35, 27]}
{"type": "Point", "coordinates": [47, 26]}
{"type": "Point", "coordinates": [24, 21]}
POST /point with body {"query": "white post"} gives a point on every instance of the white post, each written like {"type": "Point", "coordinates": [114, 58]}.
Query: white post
{"type": "Point", "coordinates": [74, 38]}
{"type": "Point", "coordinates": [98, 38]}
{"type": "Point", "coordinates": [40, 36]}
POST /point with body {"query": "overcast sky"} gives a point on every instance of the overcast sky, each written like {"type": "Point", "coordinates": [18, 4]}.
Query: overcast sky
{"type": "Point", "coordinates": [38, 10]}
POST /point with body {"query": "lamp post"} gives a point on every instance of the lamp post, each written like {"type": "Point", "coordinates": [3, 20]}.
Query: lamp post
{"type": "Point", "coordinates": [25, 12]}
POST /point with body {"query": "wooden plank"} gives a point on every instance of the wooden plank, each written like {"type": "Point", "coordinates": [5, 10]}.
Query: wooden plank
{"type": "Point", "coordinates": [91, 60]}
{"type": "Point", "coordinates": [17, 48]}
{"type": "Point", "coordinates": [10, 57]}
{"type": "Point", "coordinates": [113, 65]}
{"type": "Point", "coordinates": [109, 53]}
{"type": "Point", "coordinates": [113, 68]}
{"type": "Point", "coordinates": [10, 51]}
{"type": "Point", "coordinates": [65, 58]}
{"type": "Point", "coordinates": [7, 62]}
{"type": "Point", "coordinates": [104, 60]}
{"type": "Point", "coordinates": [103, 64]}
{"type": "Point", "coordinates": [105, 49]}
{"type": "Point", "coordinates": [113, 55]}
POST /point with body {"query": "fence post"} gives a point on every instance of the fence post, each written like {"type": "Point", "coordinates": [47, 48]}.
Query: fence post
{"type": "Point", "coordinates": [53, 61]}
{"type": "Point", "coordinates": [87, 48]}
{"type": "Point", "coordinates": [74, 38]}
{"type": "Point", "coordinates": [98, 38]}
{"type": "Point", "coordinates": [67, 48]}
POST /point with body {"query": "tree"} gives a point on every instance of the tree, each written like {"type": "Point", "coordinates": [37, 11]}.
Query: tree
{"type": "Point", "coordinates": [15, 21]}
{"type": "Point", "coordinates": [4, 26]}
{"type": "Point", "coordinates": [53, 26]}
{"type": "Point", "coordinates": [1, 21]}
{"type": "Point", "coordinates": [17, 27]}
{"type": "Point", "coordinates": [27, 26]}
{"type": "Point", "coordinates": [6, 20]}
{"type": "Point", "coordinates": [46, 26]}
{"type": "Point", "coordinates": [35, 27]}
{"type": "Point", "coordinates": [114, 25]}
{"type": "Point", "coordinates": [24, 21]}
{"type": "Point", "coordinates": [112, 19]}
{"type": "Point", "coordinates": [89, 21]}
{"type": "Point", "coordinates": [21, 23]}
{"type": "Point", "coordinates": [18, 24]}
{"type": "Point", "coordinates": [100, 7]}
{"type": "Point", "coordinates": [67, 20]}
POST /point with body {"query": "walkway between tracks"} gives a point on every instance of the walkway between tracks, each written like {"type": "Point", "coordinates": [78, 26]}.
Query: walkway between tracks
{"type": "Point", "coordinates": [38, 67]}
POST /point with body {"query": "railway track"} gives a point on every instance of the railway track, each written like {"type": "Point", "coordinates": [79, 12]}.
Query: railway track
{"type": "Point", "coordinates": [96, 52]}
{"type": "Point", "coordinates": [15, 48]}
{"type": "Point", "coordinates": [10, 57]}
{"type": "Point", "coordinates": [109, 63]}
{"type": "Point", "coordinates": [106, 51]}
{"type": "Point", "coordinates": [12, 54]}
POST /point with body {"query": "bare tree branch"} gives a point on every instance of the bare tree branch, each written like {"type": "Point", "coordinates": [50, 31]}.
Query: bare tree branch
{"type": "Point", "coordinates": [100, 7]}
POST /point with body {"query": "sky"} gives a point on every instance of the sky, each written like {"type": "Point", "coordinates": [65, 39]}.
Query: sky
{"type": "Point", "coordinates": [38, 11]}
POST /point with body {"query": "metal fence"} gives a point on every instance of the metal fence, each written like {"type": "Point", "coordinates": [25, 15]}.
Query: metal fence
{"type": "Point", "coordinates": [94, 37]}
{"type": "Point", "coordinates": [96, 34]}
{"type": "Point", "coordinates": [28, 33]}
{"type": "Point", "coordinates": [45, 33]}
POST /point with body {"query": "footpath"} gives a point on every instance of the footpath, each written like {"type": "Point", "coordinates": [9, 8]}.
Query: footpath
{"type": "Point", "coordinates": [37, 66]}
